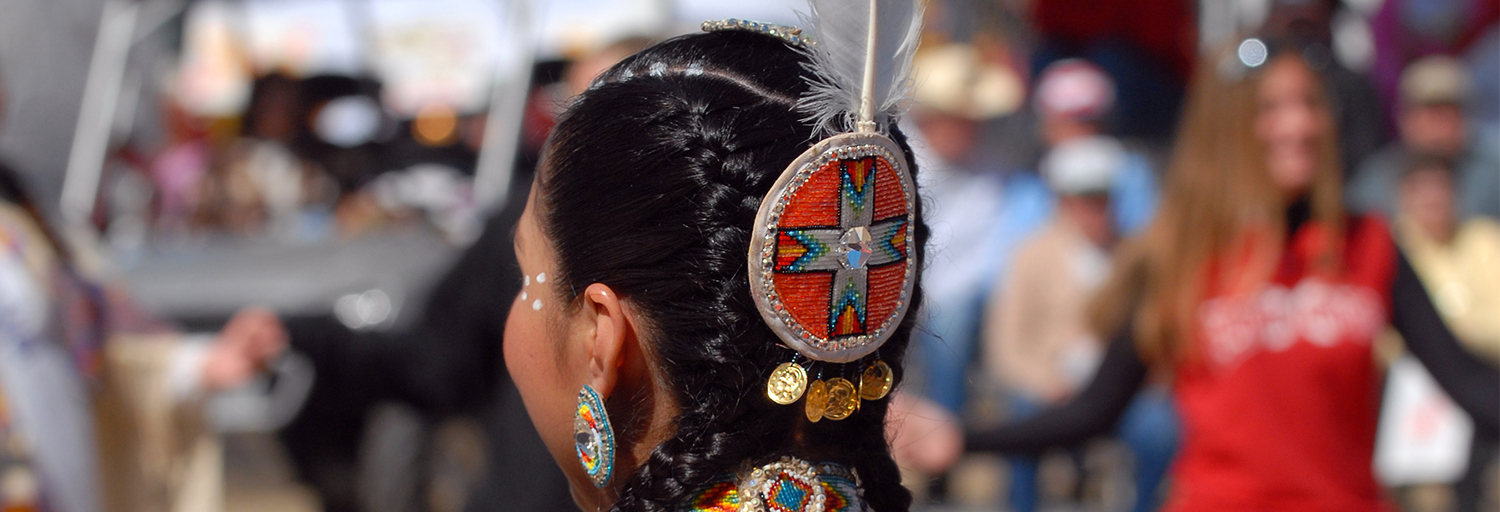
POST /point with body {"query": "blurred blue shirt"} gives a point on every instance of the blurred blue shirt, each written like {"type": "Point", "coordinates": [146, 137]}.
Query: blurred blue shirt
{"type": "Point", "coordinates": [979, 218]}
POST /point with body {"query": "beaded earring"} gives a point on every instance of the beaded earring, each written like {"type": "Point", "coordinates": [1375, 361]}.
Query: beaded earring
{"type": "Point", "coordinates": [593, 437]}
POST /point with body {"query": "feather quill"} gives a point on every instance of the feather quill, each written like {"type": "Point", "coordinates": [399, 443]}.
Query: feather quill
{"type": "Point", "coordinates": [844, 31]}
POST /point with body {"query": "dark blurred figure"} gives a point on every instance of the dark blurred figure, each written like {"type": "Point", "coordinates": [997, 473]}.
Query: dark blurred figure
{"type": "Point", "coordinates": [1407, 30]}
{"type": "Point", "coordinates": [1434, 92]}
{"type": "Point", "coordinates": [1459, 263]}
{"type": "Point", "coordinates": [1308, 26]}
{"type": "Point", "coordinates": [449, 362]}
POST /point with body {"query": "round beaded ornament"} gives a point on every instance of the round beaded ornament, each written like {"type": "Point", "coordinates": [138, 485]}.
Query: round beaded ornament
{"type": "Point", "coordinates": [830, 258]}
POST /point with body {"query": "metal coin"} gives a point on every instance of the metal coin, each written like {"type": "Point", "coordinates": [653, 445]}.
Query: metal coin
{"type": "Point", "coordinates": [786, 383]}
{"type": "Point", "coordinates": [817, 400]}
{"type": "Point", "coordinates": [875, 383]}
{"type": "Point", "coordinates": [843, 399]}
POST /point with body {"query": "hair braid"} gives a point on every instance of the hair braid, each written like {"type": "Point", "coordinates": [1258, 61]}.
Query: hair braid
{"type": "Point", "coordinates": [665, 161]}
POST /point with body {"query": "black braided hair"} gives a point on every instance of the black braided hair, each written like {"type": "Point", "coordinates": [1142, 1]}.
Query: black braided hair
{"type": "Point", "coordinates": [650, 185]}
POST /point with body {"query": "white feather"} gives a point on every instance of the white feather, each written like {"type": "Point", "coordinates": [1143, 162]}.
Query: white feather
{"type": "Point", "coordinates": [842, 31]}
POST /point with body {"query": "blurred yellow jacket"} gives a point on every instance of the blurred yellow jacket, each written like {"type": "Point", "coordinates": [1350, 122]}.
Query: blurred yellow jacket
{"type": "Point", "coordinates": [1463, 279]}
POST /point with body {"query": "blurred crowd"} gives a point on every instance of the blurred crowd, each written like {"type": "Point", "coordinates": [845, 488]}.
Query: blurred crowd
{"type": "Point", "coordinates": [1042, 130]}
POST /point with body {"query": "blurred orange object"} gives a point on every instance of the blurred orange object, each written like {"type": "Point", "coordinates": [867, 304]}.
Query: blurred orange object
{"type": "Point", "coordinates": [436, 125]}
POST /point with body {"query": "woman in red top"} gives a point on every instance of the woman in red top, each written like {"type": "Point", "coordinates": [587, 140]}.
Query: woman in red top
{"type": "Point", "coordinates": [1260, 299]}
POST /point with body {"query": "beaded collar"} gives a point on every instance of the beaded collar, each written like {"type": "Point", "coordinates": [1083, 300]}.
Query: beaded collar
{"type": "Point", "coordinates": [787, 485]}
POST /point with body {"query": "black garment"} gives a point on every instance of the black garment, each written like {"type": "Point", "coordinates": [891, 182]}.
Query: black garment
{"type": "Point", "coordinates": [449, 363]}
{"type": "Point", "coordinates": [1468, 492]}
{"type": "Point", "coordinates": [1473, 384]}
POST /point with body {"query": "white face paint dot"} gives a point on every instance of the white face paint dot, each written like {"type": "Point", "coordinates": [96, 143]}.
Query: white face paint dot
{"type": "Point", "coordinates": [523, 295]}
{"type": "Point", "coordinates": [526, 281]}
{"type": "Point", "coordinates": [541, 278]}
{"type": "Point", "coordinates": [536, 305]}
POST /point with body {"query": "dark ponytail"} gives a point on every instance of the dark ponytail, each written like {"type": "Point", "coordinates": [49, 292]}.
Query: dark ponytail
{"type": "Point", "coordinates": [651, 185]}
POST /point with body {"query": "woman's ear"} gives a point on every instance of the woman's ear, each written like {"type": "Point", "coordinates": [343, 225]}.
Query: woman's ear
{"type": "Point", "coordinates": [611, 337]}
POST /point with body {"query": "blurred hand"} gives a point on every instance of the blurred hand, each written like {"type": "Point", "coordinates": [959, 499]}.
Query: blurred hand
{"type": "Point", "coordinates": [923, 435]}
{"type": "Point", "coordinates": [243, 349]}
{"type": "Point", "coordinates": [1058, 393]}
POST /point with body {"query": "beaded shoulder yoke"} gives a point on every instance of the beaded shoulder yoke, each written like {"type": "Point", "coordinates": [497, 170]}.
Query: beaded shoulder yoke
{"type": "Point", "coordinates": [787, 485]}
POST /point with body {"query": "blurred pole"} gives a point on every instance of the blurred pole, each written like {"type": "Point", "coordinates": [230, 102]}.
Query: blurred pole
{"type": "Point", "coordinates": [508, 96]}
{"type": "Point", "coordinates": [101, 95]}
{"type": "Point", "coordinates": [156, 16]}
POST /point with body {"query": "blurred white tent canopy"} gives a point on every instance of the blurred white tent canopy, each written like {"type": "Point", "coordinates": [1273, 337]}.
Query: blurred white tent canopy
{"type": "Point", "coordinates": [467, 56]}
{"type": "Point", "coordinates": [437, 52]}
{"type": "Point", "coordinates": [423, 51]}
{"type": "Point", "coordinates": [303, 37]}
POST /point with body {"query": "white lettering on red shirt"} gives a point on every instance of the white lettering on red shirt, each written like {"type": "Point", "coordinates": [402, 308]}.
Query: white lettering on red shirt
{"type": "Point", "coordinates": [1323, 314]}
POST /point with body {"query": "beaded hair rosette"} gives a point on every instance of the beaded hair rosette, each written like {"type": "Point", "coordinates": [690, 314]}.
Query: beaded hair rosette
{"type": "Point", "coordinates": [830, 259]}
{"type": "Point", "coordinates": [830, 262]}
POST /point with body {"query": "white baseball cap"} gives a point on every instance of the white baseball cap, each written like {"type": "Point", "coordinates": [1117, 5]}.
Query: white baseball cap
{"type": "Point", "coordinates": [1083, 166]}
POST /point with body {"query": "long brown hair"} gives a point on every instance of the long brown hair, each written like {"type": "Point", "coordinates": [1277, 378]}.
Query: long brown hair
{"type": "Point", "coordinates": [1218, 194]}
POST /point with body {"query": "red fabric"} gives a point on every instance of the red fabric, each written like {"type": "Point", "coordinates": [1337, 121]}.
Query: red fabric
{"type": "Point", "coordinates": [1164, 29]}
{"type": "Point", "coordinates": [1279, 402]}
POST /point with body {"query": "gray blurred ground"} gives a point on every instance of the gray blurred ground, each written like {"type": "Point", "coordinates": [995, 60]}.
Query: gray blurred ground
{"type": "Point", "coordinates": [211, 278]}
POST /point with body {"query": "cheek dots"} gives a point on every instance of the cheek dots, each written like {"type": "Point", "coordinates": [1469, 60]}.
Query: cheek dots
{"type": "Point", "coordinates": [536, 304]}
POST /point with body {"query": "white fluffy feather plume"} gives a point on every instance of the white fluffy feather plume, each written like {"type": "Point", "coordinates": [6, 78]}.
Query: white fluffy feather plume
{"type": "Point", "coordinates": [843, 30]}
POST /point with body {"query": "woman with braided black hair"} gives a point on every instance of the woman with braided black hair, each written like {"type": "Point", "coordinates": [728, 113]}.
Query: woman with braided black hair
{"type": "Point", "coordinates": [637, 288]}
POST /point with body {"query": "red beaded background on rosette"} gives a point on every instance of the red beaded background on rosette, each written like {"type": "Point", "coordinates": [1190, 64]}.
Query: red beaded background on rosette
{"type": "Point", "coordinates": [816, 204]}
{"type": "Point", "coordinates": [886, 281]}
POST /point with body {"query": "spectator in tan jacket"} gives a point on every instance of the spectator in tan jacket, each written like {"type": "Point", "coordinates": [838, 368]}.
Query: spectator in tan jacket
{"type": "Point", "coordinates": [1038, 342]}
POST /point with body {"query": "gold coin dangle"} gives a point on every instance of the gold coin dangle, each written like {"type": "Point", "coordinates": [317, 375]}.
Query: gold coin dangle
{"type": "Point", "coordinates": [843, 399]}
{"type": "Point", "coordinates": [787, 383]}
{"type": "Point", "coordinates": [876, 381]}
{"type": "Point", "coordinates": [817, 400]}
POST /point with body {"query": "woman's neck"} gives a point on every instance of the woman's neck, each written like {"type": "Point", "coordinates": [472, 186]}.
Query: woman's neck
{"type": "Point", "coordinates": [1298, 212]}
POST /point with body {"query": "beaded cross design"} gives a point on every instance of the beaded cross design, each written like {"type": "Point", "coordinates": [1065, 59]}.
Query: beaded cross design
{"type": "Point", "coordinates": [786, 485]}
{"type": "Point", "coordinates": [832, 271]}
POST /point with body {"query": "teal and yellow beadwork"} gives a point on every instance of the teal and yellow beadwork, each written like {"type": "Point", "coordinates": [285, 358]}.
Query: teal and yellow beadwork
{"type": "Point", "coordinates": [787, 485]}
{"type": "Point", "coordinates": [593, 437]}
{"type": "Point", "coordinates": [718, 497]}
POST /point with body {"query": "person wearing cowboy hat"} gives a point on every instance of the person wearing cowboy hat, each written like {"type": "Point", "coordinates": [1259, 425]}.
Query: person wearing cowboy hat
{"type": "Point", "coordinates": [978, 212]}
